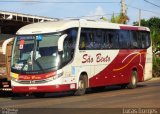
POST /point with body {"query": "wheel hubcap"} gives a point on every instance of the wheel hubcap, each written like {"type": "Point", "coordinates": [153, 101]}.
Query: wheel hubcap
{"type": "Point", "coordinates": [133, 80]}
{"type": "Point", "coordinates": [81, 84]}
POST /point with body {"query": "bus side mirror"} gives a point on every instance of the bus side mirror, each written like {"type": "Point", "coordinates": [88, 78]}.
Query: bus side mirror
{"type": "Point", "coordinates": [60, 42]}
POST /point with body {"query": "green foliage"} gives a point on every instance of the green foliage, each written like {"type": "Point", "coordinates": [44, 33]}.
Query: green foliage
{"type": "Point", "coordinates": [113, 20]}
{"type": "Point", "coordinates": [154, 25]}
{"type": "Point", "coordinates": [156, 66]}
{"type": "Point", "coordinates": [121, 19]}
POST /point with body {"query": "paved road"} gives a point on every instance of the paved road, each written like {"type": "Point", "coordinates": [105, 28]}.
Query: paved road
{"type": "Point", "coordinates": [146, 95]}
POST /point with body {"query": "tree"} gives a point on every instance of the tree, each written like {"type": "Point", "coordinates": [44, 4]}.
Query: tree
{"type": "Point", "coordinates": [143, 23]}
{"type": "Point", "coordinates": [121, 19]}
{"type": "Point", "coordinates": [113, 20]}
{"type": "Point", "coordinates": [154, 25]}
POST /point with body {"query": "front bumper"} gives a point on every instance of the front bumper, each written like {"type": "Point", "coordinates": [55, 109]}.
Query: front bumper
{"type": "Point", "coordinates": [45, 88]}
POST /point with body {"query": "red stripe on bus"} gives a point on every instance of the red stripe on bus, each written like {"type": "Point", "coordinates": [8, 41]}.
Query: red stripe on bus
{"type": "Point", "coordinates": [129, 28]}
{"type": "Point", "coordinates": [133, 28]}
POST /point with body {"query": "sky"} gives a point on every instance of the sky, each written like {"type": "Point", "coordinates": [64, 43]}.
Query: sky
{"type": "Point", "coordinates": [83, 10]}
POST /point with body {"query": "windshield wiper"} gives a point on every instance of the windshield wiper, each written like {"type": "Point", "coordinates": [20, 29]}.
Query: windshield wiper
{"type": "Point", "coordinates": [39, 65]}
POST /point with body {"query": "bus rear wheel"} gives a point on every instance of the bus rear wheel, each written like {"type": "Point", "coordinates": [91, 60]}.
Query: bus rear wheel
{"type": "Point", "coordinates": [82, 85]}
{"type": "Point", "coordinates": [133, 81]}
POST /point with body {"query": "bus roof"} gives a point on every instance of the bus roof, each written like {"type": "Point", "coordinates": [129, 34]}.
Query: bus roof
{"type": "Point", "coordinates": [50, 27]}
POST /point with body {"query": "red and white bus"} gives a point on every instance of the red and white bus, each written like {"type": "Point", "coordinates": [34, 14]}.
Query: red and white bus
{"type": "Point", "coordinates": [79, 54]}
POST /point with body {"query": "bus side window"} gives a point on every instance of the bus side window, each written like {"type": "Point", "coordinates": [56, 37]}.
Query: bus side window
{"type": "Point", "coordinates": [124, 39]}
{"type": "Point", "coordinates": [113, 40]}
{"type": "Point", "coordinates": [82, 44]}
{"type": "Point", "coordinates": [98, 39]}
{"type": "Point", "coordinates": [145, 39]}
{"type": "Point", "coordinates": [66, 50]}
{"type": "Point", "coordinates": [91, 40]}
{"type": "Point", "coordinates": [147, 36]}
{"type": "Point", "coordinates": [85, 40]}
{"type": "Point", "coordinates": [110, 39]}
{"type": "Point", "coordinates": [105, 41]}
{"type": "Point", "coordinates": [135, 40]}
{"type": "Point", "coordinates": [142, 36]}
{"type": "Point", "coordinates": [110, 42]}
{"type": "Point", "coordinates": [69, 45]}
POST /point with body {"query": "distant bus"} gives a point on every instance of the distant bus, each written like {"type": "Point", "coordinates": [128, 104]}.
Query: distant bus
{"type": "Point", "coordinates": [79, 54]}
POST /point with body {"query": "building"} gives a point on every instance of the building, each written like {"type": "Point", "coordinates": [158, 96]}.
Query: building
{"type": "Point", "coordinates": [10, 22]}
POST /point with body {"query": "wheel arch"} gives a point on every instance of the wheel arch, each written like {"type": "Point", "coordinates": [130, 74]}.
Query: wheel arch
{"type": "Point", "coordinates": [83, 73]}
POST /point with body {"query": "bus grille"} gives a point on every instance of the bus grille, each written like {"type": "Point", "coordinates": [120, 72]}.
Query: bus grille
{"type": "Point", "coordinates": [33, 82]}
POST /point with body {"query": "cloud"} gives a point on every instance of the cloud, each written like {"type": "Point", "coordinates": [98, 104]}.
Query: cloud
{"type": "Point", "coordinates": [97, 14]}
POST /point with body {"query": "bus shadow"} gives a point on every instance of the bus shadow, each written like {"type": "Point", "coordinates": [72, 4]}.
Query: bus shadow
{"type": "Point", "coordinates": [48, 95]}
{"type": "Point", "coordinates": [5, 94]}
{"type": "Point", "coordinates": [71, 93]}
{"type": "Point", "coordinates": [112, 88]}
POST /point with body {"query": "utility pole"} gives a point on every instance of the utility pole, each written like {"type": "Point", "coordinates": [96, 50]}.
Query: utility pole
{"type": "Point", "coordinates": [123, 7]}
{"type": "Point", "coordinates": [139, 17]}
{"type": "Point", "coordinates": [123, 16]}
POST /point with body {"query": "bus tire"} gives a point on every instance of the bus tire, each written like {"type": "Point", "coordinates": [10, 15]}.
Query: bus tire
{"type": "Point", "coordinates": [39, 95]}
{"type": "Point", "coordinates": [133, 81]}
{"type": "Point", "coordinates": [82, 85]}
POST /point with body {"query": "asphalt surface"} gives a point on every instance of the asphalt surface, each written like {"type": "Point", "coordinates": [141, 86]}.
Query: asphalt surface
{"type": "Point", "coordinates": [112, 99]}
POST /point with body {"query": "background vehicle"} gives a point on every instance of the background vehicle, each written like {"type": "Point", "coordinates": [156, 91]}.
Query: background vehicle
{"type": "Point", "coordinates": [5, 59]}
{"type": "Point", "coordinates": [79, 54]}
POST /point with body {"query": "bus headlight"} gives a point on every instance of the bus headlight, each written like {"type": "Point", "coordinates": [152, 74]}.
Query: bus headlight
{"type": "Point", "coordinates": [58, 74]}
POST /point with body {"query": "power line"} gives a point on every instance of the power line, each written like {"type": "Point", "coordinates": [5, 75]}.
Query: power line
{"type": "Point", "coordinates": [143, 9]}
{"type": "Point", "coordinates": [152, 3]}
{"type": "Point", "coordinates": [69, 2]}
{"type": "Point", "coordinates": [92, 15]}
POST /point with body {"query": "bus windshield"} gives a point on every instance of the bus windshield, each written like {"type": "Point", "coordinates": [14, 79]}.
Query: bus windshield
{"type": "Point", "coordinates": [35, 53]}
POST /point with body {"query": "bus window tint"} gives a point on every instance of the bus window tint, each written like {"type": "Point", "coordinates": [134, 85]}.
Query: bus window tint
{"type": "Point", "coordinates": [83, 41]}
{"type": "Point", "coordinates": [98, 39]}
{"type": "Point", "coordinates": [142, 36]}
{"type": "Point", "coordinates": [87, 39]}
{"type": "Point", "coordinates": [145, 39]}
{"type": "Point", "coordinates": [135, 40]}
{"type": "Point", "coordinates": [124, 39]}
{"type": "Point", "coordinates": [69, 45]}
{"type": "Point", "coordinates": [112, 40]}
{"type": "Point", "coordinates": [90, 40]}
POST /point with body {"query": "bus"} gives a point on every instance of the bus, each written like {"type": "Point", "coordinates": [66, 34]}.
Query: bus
{"type": "Point", "coordinates": [5, 59]}
{"type": "Point", "coordinates": [73, 55]}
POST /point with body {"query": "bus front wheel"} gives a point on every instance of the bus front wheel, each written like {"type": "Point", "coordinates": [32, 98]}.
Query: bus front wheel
{"type": "Point", "coordinates": [82, 85]}
{"type": "Point", "coordinates": [133, 81]}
